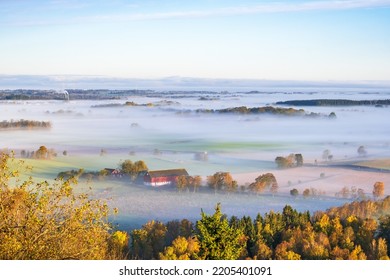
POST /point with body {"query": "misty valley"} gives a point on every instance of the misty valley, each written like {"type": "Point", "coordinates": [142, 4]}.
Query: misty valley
{"type": "Point", "coordinates": [175, 130]}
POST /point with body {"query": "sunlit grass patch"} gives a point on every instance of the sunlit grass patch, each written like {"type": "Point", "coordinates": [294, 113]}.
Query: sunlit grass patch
{"type": "Point", "coordinates": [221, 146]}
{"type": "Point", "coordinates": [242, 145]}
{"type": "Point", "coordinates": [378, 163]}
{"type": "Point", "coordinates": [48, 169]}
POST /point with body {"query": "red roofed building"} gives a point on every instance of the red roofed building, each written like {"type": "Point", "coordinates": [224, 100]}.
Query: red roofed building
{"type": "Point", "coordinates": [163, 177]}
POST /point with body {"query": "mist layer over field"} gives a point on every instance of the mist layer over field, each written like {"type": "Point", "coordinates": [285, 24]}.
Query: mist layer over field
{"type": "Point", "coordinates": [170, 133]}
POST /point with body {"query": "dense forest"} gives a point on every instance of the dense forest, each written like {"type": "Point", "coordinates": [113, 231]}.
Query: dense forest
{"type": "Point", "coordinates": [343, 233]}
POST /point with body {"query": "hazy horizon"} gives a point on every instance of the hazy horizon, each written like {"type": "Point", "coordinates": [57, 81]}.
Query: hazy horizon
{"type": "Point", "coordinates": [61, 82]}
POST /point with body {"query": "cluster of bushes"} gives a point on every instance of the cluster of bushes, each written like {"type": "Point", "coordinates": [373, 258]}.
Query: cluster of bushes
{"type": "Point", "coordinates": [352, 193]}
{"type": "Point", "coordinates": [42, 153]}
{"type": "Point", "coordinates": [292, 160]}
{"type": "Point", "coordinates": [223, 181]}
{"type": "Point", "coordinates": [186, 182]}
{"type": "Point", "coordinates": [82, 174]}
{"type": "Point", "coordinates": [378, 191]}
{"type": "Point", "coordinates": [132, 103]}
{"type": "Point", "coordinates": [308, 192]}
{"type": "Point", "coordinates": [264, 182]}
{"type": "Point", "coordinates": [127, 169]}
{"type": "Point", "coordinates": [133, 169]}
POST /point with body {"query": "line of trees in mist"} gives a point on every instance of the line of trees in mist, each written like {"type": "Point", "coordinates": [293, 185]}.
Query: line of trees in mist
{"type": "Point", "coordinates": [261, 110]}
{"type": "Point", "coordinates": [334, 102]}
{"type": "Point", "coordinates": [24, 124]}
{"type": "Point", "coordinates": [41, 153]}
{"type": "Point", "coordinates": [276, 111]}
{"type": "Point", "coordinates": [221, 182]}
{"type": "Point", "coordinates": [126, 169]}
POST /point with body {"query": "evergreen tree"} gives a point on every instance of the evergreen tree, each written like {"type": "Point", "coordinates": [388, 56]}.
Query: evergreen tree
{"type": "Point", "coordinates": [218, 240]}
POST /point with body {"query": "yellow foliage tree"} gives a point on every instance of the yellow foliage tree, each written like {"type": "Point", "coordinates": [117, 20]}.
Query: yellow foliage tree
{"type": "Point", "coordinates": [357, 254]}
{"type": "Point", "coordinates": [49, 221]}
{"type": "Point", "coordinates": [222, 181]}
{"type": "Point", "coordinates": [182, 249]}
{"type": "Point", "coordinates": [284, 252]}
{"type": "Point", "coordinates": [119, 244]}
{"type": "Point", "coordinates": [339, 254]}
{"type": "Point", "coordinates": [379, 189]}
{"type": "Point", "coordinates": [262, 251]}
{"type": "Point", "coordinates": [148, 241]}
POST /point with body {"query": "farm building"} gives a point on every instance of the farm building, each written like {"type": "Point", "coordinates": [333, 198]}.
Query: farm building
{"type": "Point", "coordinates": [163, 177]}
{"type": "Point", "coordinates": [114, 172]}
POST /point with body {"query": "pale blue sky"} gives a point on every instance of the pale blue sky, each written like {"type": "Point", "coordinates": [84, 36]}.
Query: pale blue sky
{"type": "Point", "coordinates": [275, 40]}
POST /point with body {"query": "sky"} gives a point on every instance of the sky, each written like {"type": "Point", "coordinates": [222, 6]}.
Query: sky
{"type": "Point", "coordinates": [345, 40]}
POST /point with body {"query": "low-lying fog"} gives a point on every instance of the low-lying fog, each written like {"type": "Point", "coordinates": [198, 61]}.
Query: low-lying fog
{"type": "Point", "coordinates": [169, 134]}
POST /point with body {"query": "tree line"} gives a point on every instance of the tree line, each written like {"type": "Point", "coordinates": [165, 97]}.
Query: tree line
{"type": "Point", "coordinates": [257, 110]}
{"type": "Point", "coordinates": [24, 124]}
{"type": "Point", "coordinates": [278, 111]}
{"type": "Point", "coordinates": [335, 102]}
{"type": "Point", "coordinates": [218, 182]}
{"type": "Point", "coordinates": [41, 153]}
{"type": "Point", "coordinates": [224, 182]}
{"type": "Point", "coordinates": [126, 169]}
